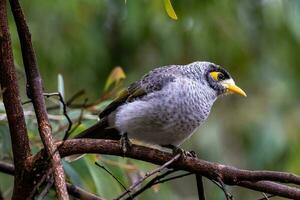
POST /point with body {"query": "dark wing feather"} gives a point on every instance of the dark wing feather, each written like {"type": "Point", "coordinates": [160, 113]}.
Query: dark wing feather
{"type": "Point", "coordinates": [133, 91]}
{"type": "Point", "coordinates": [153, 81]}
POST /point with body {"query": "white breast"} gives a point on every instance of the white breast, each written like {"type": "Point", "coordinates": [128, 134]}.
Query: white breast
{"type": "Point", "coordinates": [168, 116]}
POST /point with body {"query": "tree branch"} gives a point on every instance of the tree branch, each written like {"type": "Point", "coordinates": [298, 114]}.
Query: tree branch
{"type": "Point", "coordinates": [263, 181]}
{"type": "Point", "coordinates": [273, 188]}
{"type": "Point", "coordinates": [16, 121]}
{"type": "Point", "coordinates": [257, 180]}
{"type": "Point", "coordinates": [35, 93]}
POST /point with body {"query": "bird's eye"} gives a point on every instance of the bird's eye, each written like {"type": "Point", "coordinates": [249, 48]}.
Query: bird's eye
{"type": "Point", "coordinates": [217, 76]}
{"type": "Point", "coordinates": [221, 77]}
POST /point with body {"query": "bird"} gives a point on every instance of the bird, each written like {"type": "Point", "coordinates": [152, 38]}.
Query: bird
{"type": "Point", "coordinates": [166, 106]}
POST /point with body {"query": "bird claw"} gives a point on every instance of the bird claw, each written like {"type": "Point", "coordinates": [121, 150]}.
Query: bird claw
{"type": "Point", "coordinates": [125, 143]}
{"type": "Point", "coordinates": [176, 150]}
{"type": "Point", "coordinates": [185, 153]}
{"type": "Point", "coordinates": [191, 154]}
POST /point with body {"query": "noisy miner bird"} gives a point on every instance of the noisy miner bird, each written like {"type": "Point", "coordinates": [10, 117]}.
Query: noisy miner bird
{"type": "Point", "coordinates": [166, 106]}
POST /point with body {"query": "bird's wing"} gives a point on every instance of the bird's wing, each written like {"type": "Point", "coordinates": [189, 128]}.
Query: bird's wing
{"type": "Point", "coordinates": [133, 91]}
{"type": "Point", "coordinates": [153, 81]}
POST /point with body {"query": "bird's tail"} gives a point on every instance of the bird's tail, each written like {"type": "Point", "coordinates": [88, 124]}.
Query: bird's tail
{"type": "Point", "coordinates": [101, 130]}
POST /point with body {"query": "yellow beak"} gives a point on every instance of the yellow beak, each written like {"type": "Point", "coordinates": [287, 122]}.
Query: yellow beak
{"type": "Point", "coordinates": [235, 89]}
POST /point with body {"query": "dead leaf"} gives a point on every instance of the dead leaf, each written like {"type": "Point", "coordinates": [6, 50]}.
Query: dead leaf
{"type": "Point", "coordinates": [116, 75]}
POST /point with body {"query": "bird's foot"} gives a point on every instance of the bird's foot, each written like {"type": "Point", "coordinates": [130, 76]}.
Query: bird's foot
{"type": "Point", "coordinates": [125, 143]}
{"type": "Point", "coordinates": [192, 154]}
{"type": "Point", "coordinates": [176, 150]}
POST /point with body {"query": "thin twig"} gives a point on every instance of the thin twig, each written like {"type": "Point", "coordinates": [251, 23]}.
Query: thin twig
{"type": "Point", "coordinates": [75, 96]}
{"type": "Point", "coordinates": [79, 193]}
{"type": "Point", "coordinates": [157, 180]}
{"type": "Point", "coordinates": [46, 189]}
{"type": "Point", "coordinates": [65, 112]}
{"type": "Point", "coordinates": [222, 186]}
{"type": "Point", "coordinates": [147, 175]}
{"type": "Point", "coordinates": [164, 166]}
{"type": "Point", "coordinates": [46, 175]}
{"type": "Point", "coordinates": [152, 182]}
{"type": "Point", "coordinates": [173, 177]}
{"type": "Point", "coordinates": [79, 120]}
{"type": "Point", "coordinates": [26, 102]}
{"type": "Point", "coordinates": [200, 187]}
{"type": "Point", "coordinates": [114, 177]}
{"type": "Point", "coordinates": [266, 197]}
{"type": "Point", "coordinates": [70, 101]}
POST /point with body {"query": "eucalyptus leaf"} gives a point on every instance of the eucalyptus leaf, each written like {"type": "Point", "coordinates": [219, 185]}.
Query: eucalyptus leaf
{"type": "Point", "coordinates": [170, 10]}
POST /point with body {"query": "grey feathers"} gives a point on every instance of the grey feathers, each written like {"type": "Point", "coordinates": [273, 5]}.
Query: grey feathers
{"type": "Point", "coordinates": [165, 106]}
{"type": "Point", "coordinates": [174, 101]}
{"type": "Point", "coordinates": [155, 80]}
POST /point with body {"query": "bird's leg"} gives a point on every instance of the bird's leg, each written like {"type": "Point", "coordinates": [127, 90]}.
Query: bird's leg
{"type": "Point", "coordinates": [176, 150]}
{"type": "Point", "coordinates": [125, 143]}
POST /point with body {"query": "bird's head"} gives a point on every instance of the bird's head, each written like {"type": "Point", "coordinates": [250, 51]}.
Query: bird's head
{"type": "Point", "coordinates": [221, 81]}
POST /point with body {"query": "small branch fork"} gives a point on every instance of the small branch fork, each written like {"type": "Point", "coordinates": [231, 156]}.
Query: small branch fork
{"type": "Point", "coordinates": [157, 170]}
{"type": "Point", "coordinates": [61, 100]}
{"type": "Point", "coordinates": [156, 180]}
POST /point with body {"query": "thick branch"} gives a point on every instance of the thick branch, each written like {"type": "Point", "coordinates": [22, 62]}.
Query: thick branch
{"type": "Point", "coordinates": [72, 189]}
{"type": "Point", "coordinates": [255, 180]}
{"type": "Point", "coordinates": [258, 180]}
{"type": "Point", "coordinates": [13, 107]}
{"type": "Point", "coordinates": [35, 93]}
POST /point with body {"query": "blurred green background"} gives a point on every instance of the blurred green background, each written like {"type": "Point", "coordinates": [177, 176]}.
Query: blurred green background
{"type": "Point", "coordinates": [257, 41]}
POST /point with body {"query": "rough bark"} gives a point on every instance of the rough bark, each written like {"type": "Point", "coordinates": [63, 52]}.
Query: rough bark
{"type": "Point", "coordinates": [264, 181]}
{"type": "Point", "coordinates": [35, 93]}
{"type": "Point", "coordinates": [11, 99]}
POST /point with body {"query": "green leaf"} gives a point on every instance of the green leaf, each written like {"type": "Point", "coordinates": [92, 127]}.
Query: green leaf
{"type": "Point", "coordinates": [61, 86]}
{"type": "Point", "coordinates": [104, 184]}
{"type": "Point", "coordinates": [72, 174]}
{"type": "Point", "coordinates": [61, 89]}
{"type": "Point", "coordinates": [170, 10]}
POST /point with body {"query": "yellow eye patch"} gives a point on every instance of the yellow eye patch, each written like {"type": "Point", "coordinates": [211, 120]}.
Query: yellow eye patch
{"type": "Point", "coordinates": [215, 75]}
